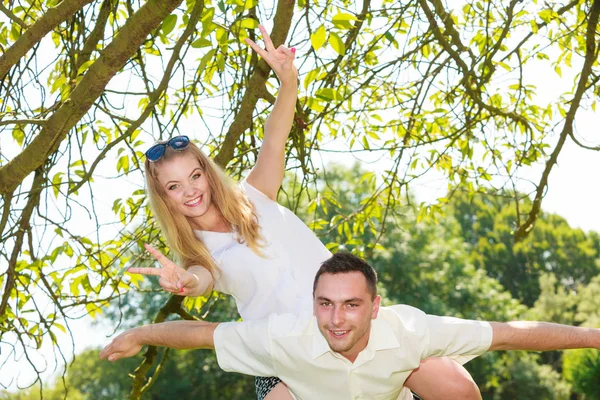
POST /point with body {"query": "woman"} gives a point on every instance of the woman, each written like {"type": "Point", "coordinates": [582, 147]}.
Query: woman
{"type": "Point", "coordinates": [236, 239]}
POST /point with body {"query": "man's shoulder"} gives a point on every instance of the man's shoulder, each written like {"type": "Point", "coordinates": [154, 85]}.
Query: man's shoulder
{"type": "Point", "coordinates": [402, 316]}
{"type": "Point", "coordinates": [401, 310]}
{"type": "Point", "coordinates": [290, 325]}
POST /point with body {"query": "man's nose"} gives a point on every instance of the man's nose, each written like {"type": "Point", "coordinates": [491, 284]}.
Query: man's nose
{"type": "Point", "coordinates": [337, 317]}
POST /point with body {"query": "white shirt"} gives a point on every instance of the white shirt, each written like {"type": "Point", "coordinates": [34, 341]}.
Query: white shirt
{"type": "Point", "coordinates": [282, 281]}
{"type": "Point", "coordinates": [293, 349]}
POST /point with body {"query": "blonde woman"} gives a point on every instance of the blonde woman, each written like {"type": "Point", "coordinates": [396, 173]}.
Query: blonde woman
{"type": "Point", "coordinates": [235, 238]}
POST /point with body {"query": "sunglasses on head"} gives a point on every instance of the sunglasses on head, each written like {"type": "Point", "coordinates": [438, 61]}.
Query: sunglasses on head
{"type": "Point", "coordinates": [156, 152]}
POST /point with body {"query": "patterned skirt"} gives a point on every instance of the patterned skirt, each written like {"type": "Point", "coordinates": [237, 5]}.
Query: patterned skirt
{"type": "Point", "coordinates": [264, 385]}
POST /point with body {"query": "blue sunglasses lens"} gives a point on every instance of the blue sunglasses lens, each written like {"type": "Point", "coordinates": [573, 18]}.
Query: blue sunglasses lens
{"type": "Point", "coordinates": [179, 142]}
{"type": "Point", "coordinates": [155, 152]}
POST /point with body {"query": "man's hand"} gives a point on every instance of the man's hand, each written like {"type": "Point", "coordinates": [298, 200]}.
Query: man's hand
{"type": "Point", "coordinates": [127, 344]}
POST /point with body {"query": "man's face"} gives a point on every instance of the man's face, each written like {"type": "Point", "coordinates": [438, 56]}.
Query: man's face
{"type": "Point", "coordinates": [344, 309]}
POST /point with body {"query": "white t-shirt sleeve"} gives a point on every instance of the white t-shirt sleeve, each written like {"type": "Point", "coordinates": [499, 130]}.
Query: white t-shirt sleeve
{"type": "Point", "coordinates": [245, 347]}
{"type": "Point", "coordinates": [256, 196]}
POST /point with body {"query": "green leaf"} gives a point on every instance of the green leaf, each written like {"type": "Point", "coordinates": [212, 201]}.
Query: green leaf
{"type": "Point", "coordinates": [249, 23]}
{"type": "Point", "coordinates": [56, 182]}
{"type": "Point", "coordinates": [314, 104]}
{"type": "Point", "coordinates": [328, 94]}
{"type": "Point", "coordinates": [85, 66]}
{"type": "Point", "coordinates": [57, 84]}
{"type": "Point", "coordinates": [314, 75]}
{"type": "Point", "coordinates": [62, 328]}
{"type": "Point", "coordinates": [207, 25]}
{"type": "Point", "coordinates": [342, 20]}
{"type": "Point", "coordinates": [206, 59]}
{"type": "Point", "coordinates": [123, 163]}
{"type": "Point", "coordinates": [202, 42]}
{"type": "Point", "coordinates": [168, 24]}
{"type": "Point", "coordinates": [19, 135]}
{"type": "Point", "coordinates": [317, 38]}
{"type": "Point", "coordinates": [337, 44]}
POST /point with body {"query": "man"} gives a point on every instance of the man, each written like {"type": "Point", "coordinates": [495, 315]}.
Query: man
{"type": "Point", "coordinates": [351, 348]}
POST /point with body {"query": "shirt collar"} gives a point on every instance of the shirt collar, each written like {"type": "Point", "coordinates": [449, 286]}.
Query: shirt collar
{"type": "Point", "coordinates": [382, 337]}
{"type": "Point", "coordinates": [319, 345]}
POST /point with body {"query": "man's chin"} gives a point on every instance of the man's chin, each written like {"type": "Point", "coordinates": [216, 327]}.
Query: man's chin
{"type": "Point", "coordinates": [339, 347]}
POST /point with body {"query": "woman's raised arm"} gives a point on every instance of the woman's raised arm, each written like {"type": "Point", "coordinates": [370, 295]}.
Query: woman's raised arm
{"type": "Point", "coordinates": [267, 174]}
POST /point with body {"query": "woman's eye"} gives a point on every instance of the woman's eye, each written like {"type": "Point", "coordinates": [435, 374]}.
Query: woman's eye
{"type": "Point", "coordinates": [172, 187]}
{"type": "Point", "coordinates": [196, 176]}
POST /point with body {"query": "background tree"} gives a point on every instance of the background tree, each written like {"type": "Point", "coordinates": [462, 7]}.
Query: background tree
{"type": "Point", "coordinates": [427, 86]}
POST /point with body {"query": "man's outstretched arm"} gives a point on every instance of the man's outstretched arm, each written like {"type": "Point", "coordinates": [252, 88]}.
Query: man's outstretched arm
{"type": "Point", "coordinates": [174, 334]}
{"type": "Point", "coordinates": [542, 336]}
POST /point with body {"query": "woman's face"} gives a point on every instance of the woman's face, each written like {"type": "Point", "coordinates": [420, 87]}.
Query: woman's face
{"type": "Point", "coordinates": [186, 187]}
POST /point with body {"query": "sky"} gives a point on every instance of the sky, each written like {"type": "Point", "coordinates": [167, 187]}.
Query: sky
{"type": "Point", "coordinates": [572, 193]}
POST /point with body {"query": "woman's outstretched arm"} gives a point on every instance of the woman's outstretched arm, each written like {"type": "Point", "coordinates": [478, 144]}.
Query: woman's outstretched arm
{"type": "Point", "coordinates": [267, 174]}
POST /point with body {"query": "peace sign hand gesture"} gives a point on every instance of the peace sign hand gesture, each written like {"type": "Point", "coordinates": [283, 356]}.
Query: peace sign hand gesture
{"type": "Point", "coordinates": [281, 59]}
{"type": "Point", "coordinates": [173, 278]}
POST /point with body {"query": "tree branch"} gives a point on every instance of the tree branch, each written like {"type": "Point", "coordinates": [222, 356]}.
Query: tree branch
{"type": "Point", "coordinates": [23, 122]}
{"type": "Point", "coordinates": [96, 35]}
{"type": "Point", "coordinates": [91, 86]}
{"type": "Point", "coordinates": [32, 202]}
{"type": "Point", "coordinates": [32, 36]}
{"type": "Point", "coordinates": [139, 378]}
{"type": "Point", "coordinates": [470, 77]}
{"type": "Point", "coordinates": [12, 16]}
{"type": "Point", "coordinates": [590, 58]}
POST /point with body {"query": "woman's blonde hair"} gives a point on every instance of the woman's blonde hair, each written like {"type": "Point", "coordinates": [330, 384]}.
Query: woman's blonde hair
{"type": "Point", "coordinates": [226, 196]}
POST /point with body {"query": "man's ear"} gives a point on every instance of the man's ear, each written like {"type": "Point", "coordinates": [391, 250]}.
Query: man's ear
{"type": "Point", "coordinates": [376, 304]}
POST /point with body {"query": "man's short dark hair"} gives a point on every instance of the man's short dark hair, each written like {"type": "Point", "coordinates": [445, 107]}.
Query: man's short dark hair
{"type": "Point", "coordinates": [344, 262]}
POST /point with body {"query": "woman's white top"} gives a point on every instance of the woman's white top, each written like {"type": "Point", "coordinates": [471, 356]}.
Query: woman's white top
{"type": "Point", "coordinates": [281, 281]}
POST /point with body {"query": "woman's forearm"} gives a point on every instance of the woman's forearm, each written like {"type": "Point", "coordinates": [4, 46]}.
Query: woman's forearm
{"type": "Point", "coordinates": [205, 281]}
{"type": "Point", "coordinates": [279, 123]}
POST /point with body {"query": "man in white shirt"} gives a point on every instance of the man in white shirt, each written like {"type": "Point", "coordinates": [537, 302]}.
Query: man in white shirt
{"type": "Point", "coordinates": [351, 348]}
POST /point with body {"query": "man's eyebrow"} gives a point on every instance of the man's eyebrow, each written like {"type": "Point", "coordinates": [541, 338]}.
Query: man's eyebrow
{"type": "Point", "coordinates": [354, 300]}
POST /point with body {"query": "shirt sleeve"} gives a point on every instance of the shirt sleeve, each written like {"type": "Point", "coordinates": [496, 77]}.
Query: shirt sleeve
{"type": "Point", "coordinates": [459, 339]}
{"type": "Point", "coordinates": [255, 195]}
{"type": "Point", "coordinates": [245, 347]}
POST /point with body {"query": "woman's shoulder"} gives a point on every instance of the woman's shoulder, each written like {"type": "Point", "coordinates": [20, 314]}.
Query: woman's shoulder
{"type": "Point", "coordinates": [255, 195]}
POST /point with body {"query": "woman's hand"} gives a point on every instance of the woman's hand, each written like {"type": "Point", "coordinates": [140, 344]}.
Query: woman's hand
{"type": "Point", "coordinates": [173, 278]}
{"type": "Point", "coordinates": [281, 59]}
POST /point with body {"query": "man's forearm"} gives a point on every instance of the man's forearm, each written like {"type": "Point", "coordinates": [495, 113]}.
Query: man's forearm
{"type": "Point", "coordinates": [178, 334]}
{"type": "Point", "coordinates": [542, 336]}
